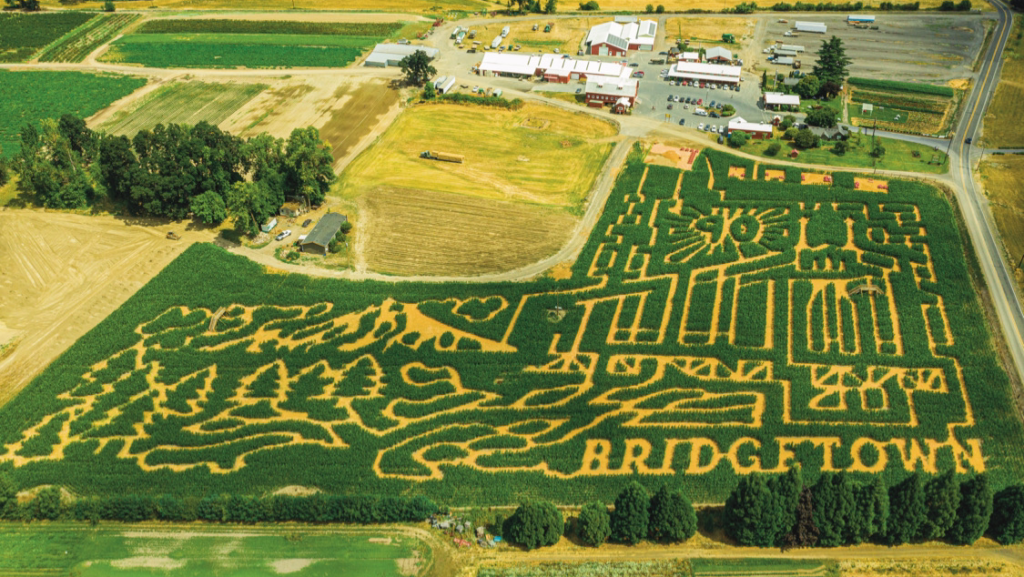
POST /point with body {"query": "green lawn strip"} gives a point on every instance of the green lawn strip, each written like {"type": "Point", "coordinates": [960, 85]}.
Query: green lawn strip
{"type": "Point", "coordinates": [28, 97]}
{"type": "Point", "coordinates": [22, 35]}
{"type": "Point", "coordinates": [217, 55]}
{"type": "Point", "coordinates": [887, 114]}
{"type": "Point", "coordinates": [178, 26]}
{"type": "Point", "coordinates": [187, 41]}
{"type": "Point", "coordinates": [898, 154]}
{"type": "Point", "coordinates": [704, 567]}
{"type": "Point", "coordinates": [170, 550]}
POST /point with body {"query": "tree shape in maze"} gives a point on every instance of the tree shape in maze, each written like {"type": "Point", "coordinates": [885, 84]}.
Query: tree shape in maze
{"type": "Point", "coordinates": [691, 310]}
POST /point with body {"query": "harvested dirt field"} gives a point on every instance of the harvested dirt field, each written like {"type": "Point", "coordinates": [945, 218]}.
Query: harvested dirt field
{"type": "Point", "coordinates": [182, 103]}
{"type": "Point", "coordinates": [61, 274]}
{"type": "Point", "coordinates": [357, 117]}
{"type": "Point", "coordinates": [1003, 178]}
{"type": "Point", "coordinates": [503, 158]}
{"type": "Point", "coordinates": [303, 16]}
{"type": "Point", "coordinates": [429, 232]}
{"type": "Point", "coordinates": [399, 6]}
{"type": "Point", "coordinates": [708, 31]}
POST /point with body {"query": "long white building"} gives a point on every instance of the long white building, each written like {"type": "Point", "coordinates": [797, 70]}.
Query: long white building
{"type": "Point", "coordinates": [552, 67]}
{"type": "Point", "coordinates": [720, 73]}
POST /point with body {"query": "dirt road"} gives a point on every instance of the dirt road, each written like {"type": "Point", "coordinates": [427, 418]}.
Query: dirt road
{"type": "Point", "coordinates": [61, 274]}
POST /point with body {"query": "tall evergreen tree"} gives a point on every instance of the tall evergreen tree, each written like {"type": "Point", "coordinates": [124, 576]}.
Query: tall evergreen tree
{"type": "Point", "coordinates": [1007, 523]}
{"type": "Point", "coordinates": [8, 496]}
{"type": "Point", "coordinates": [534, 524]}
{"type": "Point", "coordinates": [594, 524]}
{"type": "Point", "coordinates": [752, 513]}
{"type": "Point", "coordinates": [631, 515]}
{"type": "Point", "coordinates": [974, 513]}
{"type": "Point", "coordinates": [871, 512]}
{"type": "Point", "coordinates": [833, 64]}
{"type": "Point", "coordinates": [672, 517]}
{"type": "Point", "coordinates": [909, 513]}
{"type": "Point", "coordinates": [787, 488]}
{"type": "Point", "coordinates": [804, 533]}
{"type": "Point", "coordinates": [942, 497]}
{"type": "Point", "coordinates": [834, 508]}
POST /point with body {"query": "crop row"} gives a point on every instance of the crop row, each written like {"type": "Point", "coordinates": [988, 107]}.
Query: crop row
{"type": "Point", "coordinates": [22, 35]}
{"type": "Point", "coordinates": [897, 86]}
{"type": "Point", "coordinates": [86, 38]}
{"type": "Point", "coordinates": [218, 55]}
{"type": "Point", "coordinates": [210, 26]}
{"type": "Point", "coordinates": [409, 379]}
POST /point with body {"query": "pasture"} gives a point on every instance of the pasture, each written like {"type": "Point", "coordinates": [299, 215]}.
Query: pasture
{"type": "Point", "coordinates": [23, 35]}
{"type": "Point", "coordinates": [1002, 121]}
{"type": "Point", "coordinates": [508, 155]}
{"type": "Point", "coordinates": [1003, 179]}
{"type": "Point", "coordinates": [187, 551]}
{"type": "Point", "coordinates": [182, 103]}
{"type": "Point", "coordinates": [28, 97]}
{"type": "Point", "coordinates": [712, 327]}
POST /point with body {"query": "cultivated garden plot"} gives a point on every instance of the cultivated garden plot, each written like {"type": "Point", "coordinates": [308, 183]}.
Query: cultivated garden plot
{"type": "Point", "coordinates": [25, 34]}
{"type": "Point", "coordinates": [88, 37]}
{"type": "Point", "coordinates": [902, 106]}
{"type": "Point", "coordinates": [183, 103]}
{"type": "Point", "coordinates": [712, 327]}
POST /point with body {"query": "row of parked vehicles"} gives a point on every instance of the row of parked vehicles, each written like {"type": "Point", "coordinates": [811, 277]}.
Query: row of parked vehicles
{"type": "Point", "coordinates": [709, 85]}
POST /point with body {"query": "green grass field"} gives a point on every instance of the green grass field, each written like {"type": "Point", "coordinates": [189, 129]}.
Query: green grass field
{"type": "Point", "coordinates": [201, 551]}
{"type": "Point", "coordinates": [184, 103]}
{"type": "Point", "coordinates": [703, 567]}
{"type": "Point", "coordinates": [236, 50]}
{"type": "Point", "coordinates": [711, 328]}
{"type": "Point", "coordinates": [32, 96]}
{"type": "Point", "coordinates": [899, 154]}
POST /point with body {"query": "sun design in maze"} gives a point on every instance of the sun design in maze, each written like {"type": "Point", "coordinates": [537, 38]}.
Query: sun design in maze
{"type": "Point", "coordinates": [699, 328]}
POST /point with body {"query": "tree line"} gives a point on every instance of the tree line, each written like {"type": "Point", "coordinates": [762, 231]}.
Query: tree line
{"type": "Point", "coordinates": [49, 504]}
{"type": "Point", "coordinates": [173, 171]}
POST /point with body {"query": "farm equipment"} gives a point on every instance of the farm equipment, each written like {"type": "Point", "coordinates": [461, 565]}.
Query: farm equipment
{"type": "Point", "coordinates": [728, 38]}
{"type": "Point", "coordinates": [438, 22]}
{"type": "Point", "coordinates": [548, 27]}
{"type": "Point", "coordinates": [435, 155]}
{"type": "Point", "coordinates": [173, 236]}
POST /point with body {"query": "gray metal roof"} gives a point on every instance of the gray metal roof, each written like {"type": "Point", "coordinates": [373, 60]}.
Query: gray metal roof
{"type": "Point", "coordinates": [324, 231]}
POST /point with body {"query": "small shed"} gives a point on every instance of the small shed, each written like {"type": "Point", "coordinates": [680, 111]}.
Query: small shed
{"type": "Point", "coordinates": [293, 209]}
{"type": "Point", "coordinates": [866, 108]}
{"type": "Point", "coordinates": [323, 233]}
{"type": "Point", "coordinates": [269, 225]}
{"type": "Point", "coordinates": [718, 54]}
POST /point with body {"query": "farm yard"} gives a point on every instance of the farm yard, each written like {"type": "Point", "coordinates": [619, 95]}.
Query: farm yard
{"type": "Point", "coordinates": [30, 96]}
{"type": "Point", "coordinates": [903, 106]}
{"type": "Point", "coordinates": [182, 103]}
{"type": "Point", "coordinates": [25, 34]}
{"type": "Point", "coordinates": [712, 327]}
{"type": "Point", "coordinates": [88, 37]}
{"type": "Point", "coordinates": [437, 233]}
{"type": "Point", "coordinates": [567, 34]}
{"type": "Point", "coordinates": [184, 551]}
{"type": "Point", "coordinates": [707, 31]}
{"type": "Point", "coordinates": [230, 43]}
{"type": "Point", "coordinates": [537, 154]}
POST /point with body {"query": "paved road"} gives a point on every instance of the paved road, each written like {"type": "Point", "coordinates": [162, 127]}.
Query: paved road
{"type": "Point", "coordinates": [974, 205]}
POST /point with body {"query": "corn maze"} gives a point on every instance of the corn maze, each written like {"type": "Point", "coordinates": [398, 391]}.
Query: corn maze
{"type": "Point", "coordinates": [713, 327]}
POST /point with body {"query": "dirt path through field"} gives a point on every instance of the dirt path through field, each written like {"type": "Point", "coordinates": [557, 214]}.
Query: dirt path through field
{"type": "Point", "coordinates": [61, 274]}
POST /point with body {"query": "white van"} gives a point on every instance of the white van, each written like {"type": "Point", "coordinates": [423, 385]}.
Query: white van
{"type": "Point", "coordinates": [700, 112]}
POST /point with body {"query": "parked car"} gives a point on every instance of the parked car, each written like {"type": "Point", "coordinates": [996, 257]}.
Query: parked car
{"type": "Point", "coordinates": [700, 101]}
{"type": "Point", "coordinates": [283, 235]}
{"type": "Point", "coordinates": [719, 106]}
{"type": "Point", "coordinates": [634, 65]}
{"type": "Point", "coordinates": [307, 222]}
{"type": "Point", "coordinates": [682, 122]}
{"type": "Point", "coordinates": [714, 114]}
{"type": "Point", "coordinates": [712, 105]}
{"type": "Point", "coordinates": [701, 127]}
{"type": "Point", "coordinates": [670, 98]}
{"type": "Point", "coordinates": [670, 107]}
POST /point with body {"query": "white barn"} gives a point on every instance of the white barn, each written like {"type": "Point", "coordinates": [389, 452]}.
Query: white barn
{"type": "Point", "coordinates": [616, 39]}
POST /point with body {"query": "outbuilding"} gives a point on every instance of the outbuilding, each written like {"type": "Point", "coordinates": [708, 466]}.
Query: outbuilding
{"type": "Point", "coordinates": [777, 100]}
{"type": "Point", "coordinates": [718, 54]}
{"type": "Point", "coordinates": [815, 27]}
{"type": "Point", "coordinates": [384, 55]}
{"type": "Point", "coordinates": [839, 132]}
{"type": "Point", "coordinates": [292, 209]}
{"type": "Point", "coordinates": [692, 57]}
{"type": "Point", "coordinates": [318, 239]}
{"type": "Point", "coordinates": [446, 86]}
{"type": "Point", "coordinates": [700, 72]}
{"type": "Point", "coordinates": [617, 91]}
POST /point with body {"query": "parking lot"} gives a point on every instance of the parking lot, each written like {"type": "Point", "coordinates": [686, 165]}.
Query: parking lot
{"type": "Point", "coordinates": [926, 47]}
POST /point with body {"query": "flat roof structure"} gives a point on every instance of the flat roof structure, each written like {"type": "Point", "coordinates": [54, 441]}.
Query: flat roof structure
{"type": "Point", "coordinates": [527, 65]}
{"type": "Point", "coordinates": [706, 72]}
{"type": "Point", "coordinates": [778, 98]}
{"type": "Point", "coordinates": [742, 125]}
{"type": "Point", "coordinates": [392, 54]}
{"type": "Point", "coordinates": [817, 27]}
{"type": "Point", "coordinates": [694, 56]}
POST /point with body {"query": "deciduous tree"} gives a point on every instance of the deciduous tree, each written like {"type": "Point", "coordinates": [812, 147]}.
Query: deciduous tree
{"type": "Point", "coordinates": [308, 165]}
{"type": "Point", "coordinates": [417, 68]}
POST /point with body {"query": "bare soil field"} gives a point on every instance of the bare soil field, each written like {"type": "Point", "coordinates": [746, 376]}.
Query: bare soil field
{"type": "Point", "coordinates": [61, 274]}
{"type": "Point", "coordinates": [708, 31]}
{"type": "Point", "coordinates": [413, 231]}
{"type": "Point", "coordinates": [1003, 178]}
{"type": "Point", "coordinates": [182, 103]}
{"type": "Point", "coordinates": [504, 158]}
{"type": "Point", "coordinates": [1002, 122]}
{"type": "Point", "coordinates": [567, 34]}
{"type": "Point", "coordinates": [303, 16]}
{"type": "Point", "coordinates": [929, 48]}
